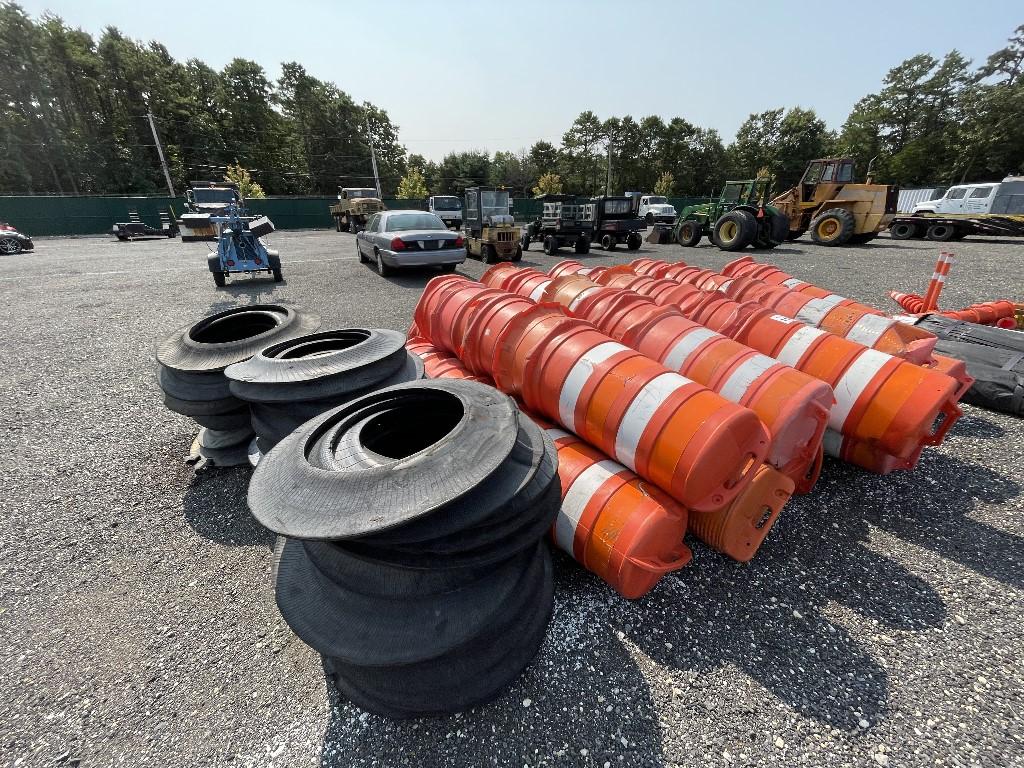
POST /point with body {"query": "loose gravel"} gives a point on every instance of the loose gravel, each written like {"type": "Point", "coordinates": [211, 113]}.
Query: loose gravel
{"type": "Point", "coordinates": [880, 624]}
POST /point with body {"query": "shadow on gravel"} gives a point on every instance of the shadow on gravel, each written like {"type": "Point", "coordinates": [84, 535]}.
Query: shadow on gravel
{"type": "Point", "coordinates": [971, 425]}
{"type": "Point", "coordinates": [215, 507]}
{"type": "Point", "coordinates": [586, 692]}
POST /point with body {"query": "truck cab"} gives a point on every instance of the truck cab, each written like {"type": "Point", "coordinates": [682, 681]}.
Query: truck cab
{"type": "Point", "coordinates": [963, 198]}
{"type": "Point", "coordinates": [448, 208]}
{"type": "Point", "coordinates": [654, 208]}
{"type": "Point", "coordinates": [354, 207]}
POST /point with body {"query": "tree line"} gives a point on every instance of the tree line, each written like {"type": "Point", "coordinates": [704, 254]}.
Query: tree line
{"type": "Point", "coordinates": [73, 120]}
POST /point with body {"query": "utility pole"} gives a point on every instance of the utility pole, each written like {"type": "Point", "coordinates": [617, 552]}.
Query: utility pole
{"type": "Point", "coordinates": [608, 178]}
{"type": "Point", "coordinates": [160, 152]}
{"type": "Point", "coordinates": [373, 157]}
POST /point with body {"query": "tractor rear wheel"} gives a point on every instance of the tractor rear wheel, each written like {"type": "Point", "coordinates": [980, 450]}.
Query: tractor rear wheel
{"type": "Point", "coordinates": [689, 234]}
{"type": "Point", "coordinates": [903, 230]}
{"type": "Point", "coordinates": [735, 230]}
{"type": "Point", "coordinates": [940, 232]}
{"type": "Point", "coordinates": [608, 242]}
{"type": "Point", "coordinates": [832, 227]}
{"type": "Point", "coordinates": [218, 279]}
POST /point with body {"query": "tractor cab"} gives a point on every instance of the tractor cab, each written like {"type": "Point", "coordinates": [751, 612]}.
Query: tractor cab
{"type": "Point", "coordinates": [749, 192]}
{"type": "Point", "coordinates": [490, 230]}
{"type": "Point", "coordinates": [830, 171]}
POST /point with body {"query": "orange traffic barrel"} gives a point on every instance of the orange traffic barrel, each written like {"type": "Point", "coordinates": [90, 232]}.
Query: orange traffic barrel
{"type": "Point", "coordinates": [910, 302]}
{"type": "Point", "coordinates": [486, 317]}
{"type": "Point", "coordinates": [793, 406]}
{"type": "Point", "coordinates": [695, 445]}
{"type": "Point", "coordinates": [569, 290]}
{"type": "Point", "coordinates": [439, 365]}
{"type": "Point", "coordinates": [649, 267]}
{"type": "Point", "coordinates": [498, 275]}
{"type": "Point", "coordinates": [867, 455]}
{"type": "Point", "coordinates": [879, 398]}
{"type": "Point", "coordinates": [613, 523]}
{"type": "Point", "coordinates": [739, 529]}
{"type": "Point", "coordinates": [568, 267]}
{"type": "Point", "coordinates": [837, 314]}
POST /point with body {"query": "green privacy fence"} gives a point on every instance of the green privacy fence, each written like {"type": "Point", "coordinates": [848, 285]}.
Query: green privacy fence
{"type": "Point", "coordinates": [66, 215]}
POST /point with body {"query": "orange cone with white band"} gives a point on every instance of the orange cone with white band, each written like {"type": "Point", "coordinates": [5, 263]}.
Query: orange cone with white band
{"type": "Point", "coordinates": [942, 267]}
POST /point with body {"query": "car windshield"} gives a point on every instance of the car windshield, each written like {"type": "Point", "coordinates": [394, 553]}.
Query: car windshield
{"type": "Point", "coordinates": [447, 204]}
{"type": "Point", "coordinates": [494, 203]}
{"type": "Point", "coordinates": [657, 200]}
{"type": "Point", "coordinates": [214, 195]}
{"type": "Point", "coordinates": [356, 193]}
{"type": "Point", "coordinates": [404, 222]}
{"type": "Point", "coordinates": [613, 207]}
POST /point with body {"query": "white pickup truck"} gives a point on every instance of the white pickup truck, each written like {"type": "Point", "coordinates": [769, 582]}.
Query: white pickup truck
{"type": "Point", "coordinates": [448, 208]}
{"type": "Point", "coordinates": [963, 198]}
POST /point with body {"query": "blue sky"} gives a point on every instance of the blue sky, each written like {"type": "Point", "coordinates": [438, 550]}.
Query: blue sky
{"type": "Point", "coordinates": [480, 75]}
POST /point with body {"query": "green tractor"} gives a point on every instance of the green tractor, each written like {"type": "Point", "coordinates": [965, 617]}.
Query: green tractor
{"type": "Point", "coordinates": [740, 217]}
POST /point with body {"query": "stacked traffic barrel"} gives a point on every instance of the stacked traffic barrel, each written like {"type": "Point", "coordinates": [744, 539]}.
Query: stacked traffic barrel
{"type": "Point", "coordinates": [887, 409]}
{"type": "Point", "coordinates": [428, 594]}
{"type": "Point", "coordinates": [705, 453]}
{"type": "Point", "coordinates": [793, 406]}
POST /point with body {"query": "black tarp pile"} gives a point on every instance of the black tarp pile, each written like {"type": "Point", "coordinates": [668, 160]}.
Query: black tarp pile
{"type": "Point", "coordinates": [994, 357]}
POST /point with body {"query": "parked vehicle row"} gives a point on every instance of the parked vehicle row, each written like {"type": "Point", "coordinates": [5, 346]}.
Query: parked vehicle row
{"type": "Point", "coordinates": [12, 241]}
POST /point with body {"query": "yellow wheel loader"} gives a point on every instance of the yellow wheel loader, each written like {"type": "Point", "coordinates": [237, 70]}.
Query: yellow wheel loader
{"type": "Point", "coordinates": [833, 207]}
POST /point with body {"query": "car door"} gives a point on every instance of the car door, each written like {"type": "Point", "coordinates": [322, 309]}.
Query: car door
{"type": "Point", "coordinates": [979, 200]}
{"type": "Point", "coordinates": [953, 202]}
{"type": "Point", "coordinates": [364, 238]}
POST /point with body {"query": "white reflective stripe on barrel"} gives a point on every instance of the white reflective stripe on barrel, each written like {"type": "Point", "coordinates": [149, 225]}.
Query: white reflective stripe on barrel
{"type": "Point", "coordinates": [793, 282]}
{"type": "Point", "coordinates": [814, 311]}
{"type": "Point", "coordinates": [538, 292]}
{"type": "Point", "coordinates": [576, 302]}
{"type": "Point", "coordinates": [833, 443]}
{"type": "Point", "coordinates": [749, 371]}
{"type": "Point", "coordinates": [724, 286]}
{"type": "Point", "coordinates": [686, 346]}
{"type": "Point", "coordinates": [578, 495]}
{"type": "Point", "coordinates": [852, 383]}
{"type": "Point", "coordinates": [647, 401]}
{"type": "Point", "coordinates": [869, 329]}
{"type": "Point", "coordinates": [577, 378]}
{"type": "Point", "coordinates": [557, 434]}
{"type": "Point", "coordinates": [798, 344]}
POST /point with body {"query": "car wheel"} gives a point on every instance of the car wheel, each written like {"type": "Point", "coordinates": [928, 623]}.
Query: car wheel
{"type": "Point", "coordinates": [359, 251]}
{"type": "Point", "coordinates": [448, 267]}
{"type": "Point", "coordinates": [10, 245]}
{"type": "Point", "coordinates": [382, 269]}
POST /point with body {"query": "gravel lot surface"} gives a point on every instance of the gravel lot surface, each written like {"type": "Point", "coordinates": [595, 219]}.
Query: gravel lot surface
{"type": "Point", "coordinates": [879, 625]}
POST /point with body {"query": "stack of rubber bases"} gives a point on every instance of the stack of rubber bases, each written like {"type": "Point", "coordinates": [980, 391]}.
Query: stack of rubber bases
{"type": "Point", "coordinates": [190, 371]}
{"type": "Point", "coordinates": [412, 554]}
{"type": "Point", "coordinates": [289, 383]}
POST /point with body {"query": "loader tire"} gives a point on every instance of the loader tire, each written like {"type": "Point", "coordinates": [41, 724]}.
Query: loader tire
{"type": "Point", "coordinates": [862, 238]}
{"type": "Point", "coordinates": [689, 234]}
{"type": "Point", "coordinates": [735, 231]}
{"type": "Point", "coordinates": [832, 227]}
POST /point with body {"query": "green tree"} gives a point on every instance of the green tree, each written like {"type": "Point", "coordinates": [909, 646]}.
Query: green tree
{"type": "Point", "coordinates": [781, 141]}
{"type": "Point", "coordinates": [548, 184]}
{"type": "Point", "coordinates": [665, 184]}
{"type": "Point", "coordinates": [514, 171]}
{"type": "Point", "coordinates": [247, 188]}
{"type": "Point", "coordinates": [413, 185]}
{"type": "Point", "coordinates": [582, 159]}
{"type": "Point", "coordinates": [459, 170]}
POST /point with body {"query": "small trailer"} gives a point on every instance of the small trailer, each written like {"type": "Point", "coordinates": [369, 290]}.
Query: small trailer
{"type": "Point", "coordinates": [135, 228]}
